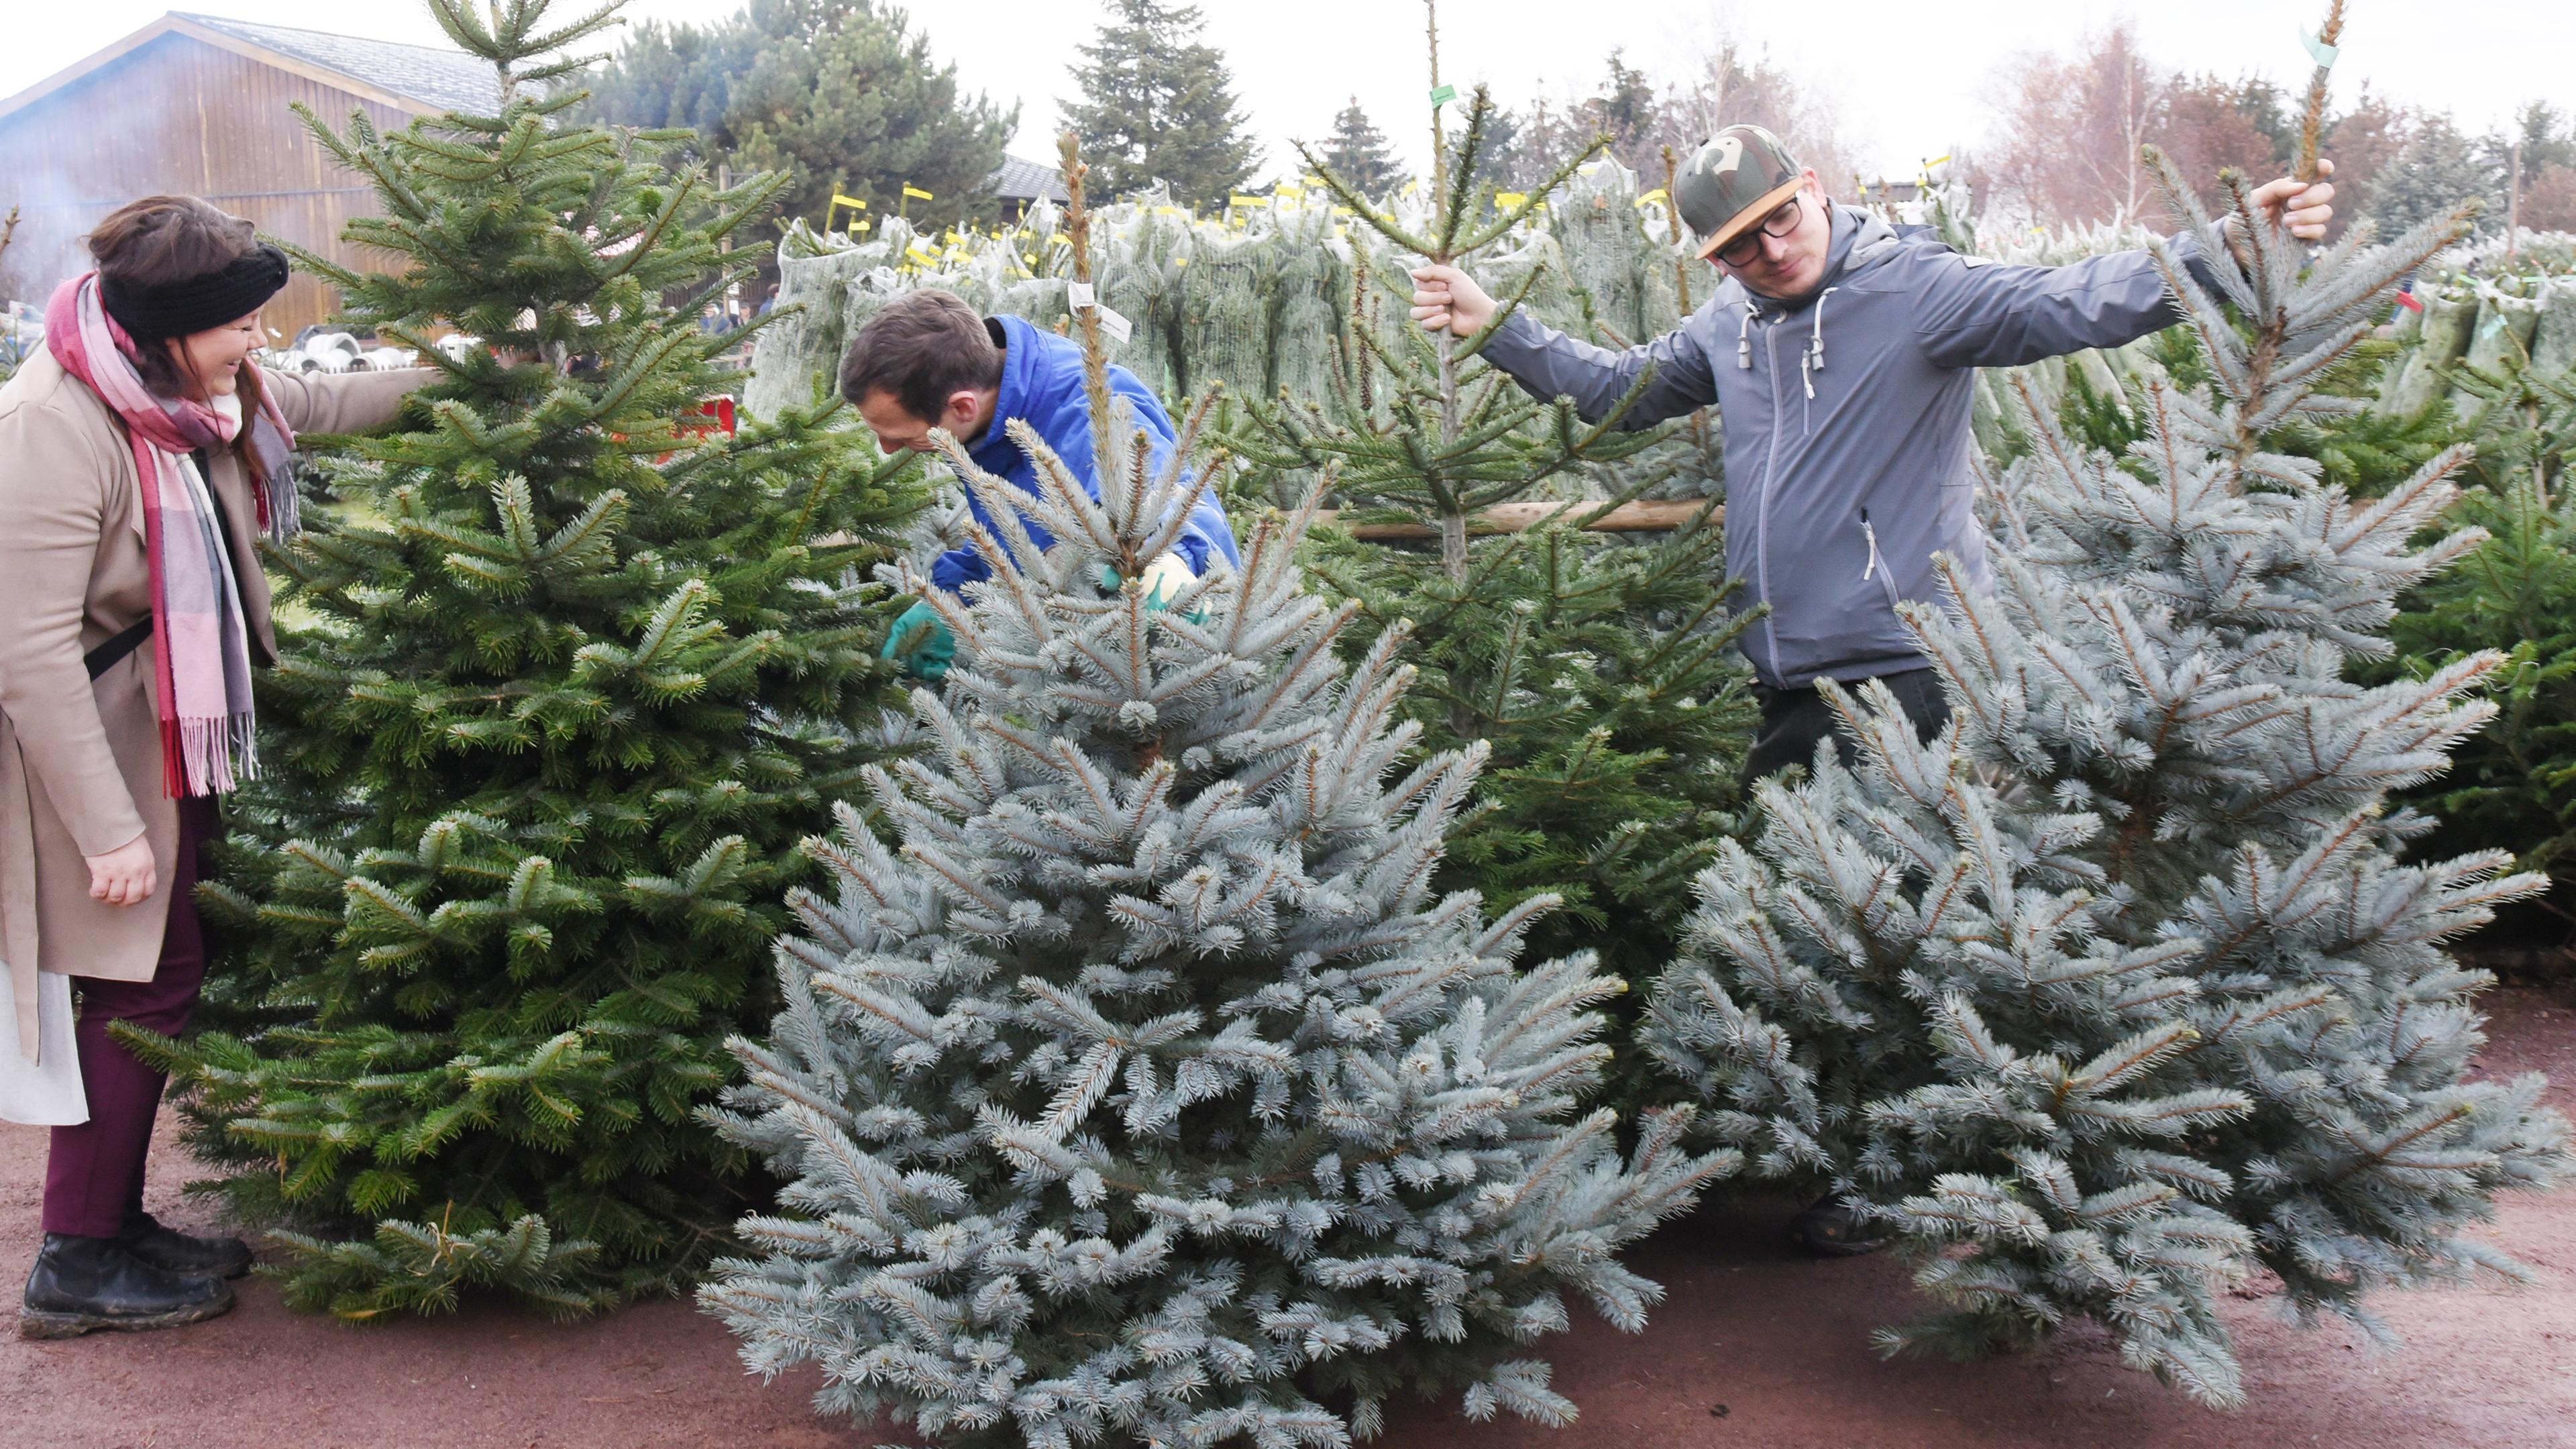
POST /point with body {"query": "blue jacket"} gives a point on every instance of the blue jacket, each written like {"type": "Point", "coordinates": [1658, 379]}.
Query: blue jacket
{"type": "Point", "coordinates": [1846, 420]}
{"type": "Point", "coordinates": [1042, 386]}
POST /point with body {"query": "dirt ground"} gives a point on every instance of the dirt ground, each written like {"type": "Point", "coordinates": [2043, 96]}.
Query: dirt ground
{"type": "Point", "coordinates": [1752, 1347]}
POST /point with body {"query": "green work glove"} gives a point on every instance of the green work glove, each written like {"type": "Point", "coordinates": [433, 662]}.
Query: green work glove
{"type": "Point", "coordinates": [920, 641]}
{"type": "Point", "coordinates": [1165, 577]}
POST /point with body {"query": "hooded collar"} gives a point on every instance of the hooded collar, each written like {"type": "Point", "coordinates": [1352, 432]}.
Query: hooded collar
{"type": "Point", "coordinates": [1021, 362]}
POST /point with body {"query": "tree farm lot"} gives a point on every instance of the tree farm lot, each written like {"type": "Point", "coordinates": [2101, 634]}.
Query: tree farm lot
{"type": "Point", "coordinates": [1753, 1346]}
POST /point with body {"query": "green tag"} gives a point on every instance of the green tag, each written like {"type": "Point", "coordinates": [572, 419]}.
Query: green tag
{"type": "Point", "coordinates": [1443, 96]}
{"type": "Point", "coordinates": [2322, 53]}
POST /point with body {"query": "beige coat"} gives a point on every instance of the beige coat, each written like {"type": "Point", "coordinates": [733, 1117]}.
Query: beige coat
{"type": "Point", "coordinates": [80, 760]}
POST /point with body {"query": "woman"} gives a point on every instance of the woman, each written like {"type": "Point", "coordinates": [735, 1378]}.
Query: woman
{"type": "Point", "coordinates": [140, 454]}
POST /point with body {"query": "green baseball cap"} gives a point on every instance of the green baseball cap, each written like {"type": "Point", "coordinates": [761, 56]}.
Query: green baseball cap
{"type": "Point", "coordinates": [1739, 177]}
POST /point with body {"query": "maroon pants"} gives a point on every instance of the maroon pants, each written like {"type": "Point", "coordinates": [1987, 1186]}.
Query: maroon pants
{"type": "Point", "coordinates": [94, 1176]}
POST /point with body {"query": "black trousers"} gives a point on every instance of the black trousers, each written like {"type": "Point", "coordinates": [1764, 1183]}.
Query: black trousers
{"type": "Point", "coordinates": [1795, 721]}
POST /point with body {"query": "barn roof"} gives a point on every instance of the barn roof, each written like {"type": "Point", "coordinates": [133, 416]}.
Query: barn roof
{"type": "Point", "coordinates": [1018, 180]}
{"type": "Point", "coordinates": [442, 79]}
{"type": "Point", "coordinates": [422, 79]}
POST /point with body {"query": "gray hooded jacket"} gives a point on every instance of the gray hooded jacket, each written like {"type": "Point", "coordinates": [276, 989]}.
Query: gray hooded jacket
{"type": "Point", "coordinates": [1846, 420]}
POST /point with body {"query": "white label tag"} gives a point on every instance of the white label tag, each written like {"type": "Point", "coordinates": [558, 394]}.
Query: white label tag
{"type": "Point", "coordinates": [1116, 326]}
{"type": "Point", "coordinates": [1078, 295]}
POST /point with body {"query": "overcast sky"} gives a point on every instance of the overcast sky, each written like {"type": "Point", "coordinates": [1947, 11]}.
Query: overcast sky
{"type": "Point", "coordinates": [1911, 80]}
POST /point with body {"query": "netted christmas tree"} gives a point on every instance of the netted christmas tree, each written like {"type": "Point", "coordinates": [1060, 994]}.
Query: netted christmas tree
{"type": "Point", "coordinates": [2124, 988]}
{"type": "Point", "coordinates": [1145, 1092]}
{"type": "Point", "coordinates": [1598, 670]}
{"type": "Point", "coordinates": [567, 673]}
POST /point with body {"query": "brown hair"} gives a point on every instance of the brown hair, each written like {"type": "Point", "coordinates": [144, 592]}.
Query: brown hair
{"type": "Point", "coordinates": [920, 348]}
{"type": "Point", "coordinates": [160, 241]}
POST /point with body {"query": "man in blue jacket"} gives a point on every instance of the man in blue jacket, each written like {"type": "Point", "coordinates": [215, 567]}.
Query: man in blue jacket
{"type": "Point", "coordinates": [1842, 480]}
{"type": "Point", "coordinates": [927, 360]}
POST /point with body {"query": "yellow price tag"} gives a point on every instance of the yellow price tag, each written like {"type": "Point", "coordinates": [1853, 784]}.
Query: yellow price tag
{"type": "Point", "coordinates": [1651, 197]}
{"type": "Point", "coordinates": [914, 191]}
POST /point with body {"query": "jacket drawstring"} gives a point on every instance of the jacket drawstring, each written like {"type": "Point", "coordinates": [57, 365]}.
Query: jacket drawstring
{"type": "Point", "coordinates": [1870, 571]}
{"type": "Point", "coordinates": [1815, 354]}
{"type": "Point", "coordinates": [1744, 338]}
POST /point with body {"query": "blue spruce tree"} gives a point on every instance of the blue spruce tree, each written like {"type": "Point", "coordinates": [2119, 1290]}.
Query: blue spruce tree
{"type": "Point", "coordinates": [1143, 1089]}
{"type": "Point", "coordinates": [2124, 987]}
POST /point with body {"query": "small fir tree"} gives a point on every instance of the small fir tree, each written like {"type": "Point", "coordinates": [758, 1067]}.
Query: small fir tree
{"type": "Point", "coordinates": [1158, 105]}
{"type": "Point", "coordinates": [1599, 672]}
{"type": "Point", "coordinates": [2122, 988]}
{"type": "Point", "coordinates": [572, 682]}
{"type": "Point", "coordinates": [1358, 153]}
{"type": "Point", "coordinates": [1145, 1093]}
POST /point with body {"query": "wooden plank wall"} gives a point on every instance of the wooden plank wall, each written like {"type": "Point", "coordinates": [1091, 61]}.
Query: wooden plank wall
{"type": "Point", "coordinates": [179, 115]}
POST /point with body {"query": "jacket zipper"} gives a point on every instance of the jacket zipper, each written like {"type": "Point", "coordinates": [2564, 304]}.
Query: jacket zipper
{"type": "Point", "coordinates": [1770, 486]}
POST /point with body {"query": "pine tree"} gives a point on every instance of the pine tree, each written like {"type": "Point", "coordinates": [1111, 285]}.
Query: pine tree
{"type": "Point", "coordinates": [2514, 785]}
{"type": "Point", "coordinates": [1158, 105]}
{"type": "Point", "coordinates": [1145, 1093]}
{"type": "Point", "coordinates": [2123, 987]}
{"type": "Point", "coordinates": [571, 685]}
{"type": "Point", "coordinates": [1600, 673]}
{"type": "Point", "coordinates": [840, 96]}
{"type": "Point", "coordinates": [1359, 154]}
{"type": "Point", "coordinates": [2439, 169]}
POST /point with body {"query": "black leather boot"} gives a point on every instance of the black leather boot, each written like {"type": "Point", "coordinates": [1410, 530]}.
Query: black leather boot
{"type": "Point", "coordinates": [177, 1252]}
{"type": "Point", "coordinates": [81, 1285]}
{"type": "Point", "coordinates": [1832, 1227]}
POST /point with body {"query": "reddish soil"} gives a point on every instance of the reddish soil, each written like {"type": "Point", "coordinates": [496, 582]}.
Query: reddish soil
{"type": "Point", "coordinates": [1752, 1347]}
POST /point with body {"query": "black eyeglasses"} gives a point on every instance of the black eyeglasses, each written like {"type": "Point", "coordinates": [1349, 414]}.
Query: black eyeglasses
{"type": "Point", "coordinates": [1782, 221]}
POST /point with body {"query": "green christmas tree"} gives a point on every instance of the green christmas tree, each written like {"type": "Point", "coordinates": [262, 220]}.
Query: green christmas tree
{"type": "Point", "coordinates": [1158, 105]}
{"type": "Point", "coordinates": [1599, 672]}
{"type": "Point", "coordinates": [1359, 154]}
{"type": "Point", "coordinates": [2124, 987]}
{"type": "Point", "coordinates": [1147, 1093]}
{"type": "Point", "coordinates": [839, 96]}
{"type": "Point", "coordinates": [575, 673]}
{"type": "Point", "coordinates": [2514, 784]}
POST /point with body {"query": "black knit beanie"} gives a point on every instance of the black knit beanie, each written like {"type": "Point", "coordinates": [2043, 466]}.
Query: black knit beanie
{"type": "Point", "coordinates": [149, 314]}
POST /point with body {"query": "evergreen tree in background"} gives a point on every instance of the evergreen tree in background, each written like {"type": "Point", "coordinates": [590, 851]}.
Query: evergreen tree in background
{"type": "Point", "coordinates": [1158, 105]}
{"type": "Point", "coordinates": [1359, 154]}
{"type": "Point", "coordinates": [1147, 1093]}
{"type": "Point", "coordinates": [572, 682]}
{"type": "Point", "coordinates": [2438, 167]}
{"type": "Point", "coordinates": [2121, 988]}
{"type": "Point", "coordinates": [1600, 673]}
{"type": "Point", "coordinates": [840, 96]}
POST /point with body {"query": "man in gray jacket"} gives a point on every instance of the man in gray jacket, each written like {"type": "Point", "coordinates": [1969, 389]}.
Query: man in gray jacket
{"type": "Point", "coordinates": [1840, 353]}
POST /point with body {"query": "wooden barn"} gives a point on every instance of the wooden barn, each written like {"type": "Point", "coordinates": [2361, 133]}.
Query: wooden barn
{"type": "Point", "coordinates": [199, 104]}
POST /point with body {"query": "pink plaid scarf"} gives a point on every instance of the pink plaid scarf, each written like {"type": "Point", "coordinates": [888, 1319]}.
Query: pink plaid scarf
{"type": "Point", "coordinates": [200, 639]}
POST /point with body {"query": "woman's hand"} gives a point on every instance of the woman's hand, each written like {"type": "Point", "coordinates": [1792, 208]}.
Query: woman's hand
{"type": "Point", "coordinates": [124, 876]}
{"type": "Point", "coordinates": [1447, 299]}
{"type": "Point", "coordinates": [2299, 205]}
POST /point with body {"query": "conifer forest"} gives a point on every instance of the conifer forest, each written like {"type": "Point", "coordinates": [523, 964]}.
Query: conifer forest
{"type": "Point", "coordinates": [1300, 991]}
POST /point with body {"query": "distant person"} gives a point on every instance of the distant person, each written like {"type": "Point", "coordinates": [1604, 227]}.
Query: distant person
{"type": "Point", "coordinates": [142, 455]}
{"type": "Point", "coordinates": [1842, 480]}
{"type": "Point", "coordinates": [927, 360]}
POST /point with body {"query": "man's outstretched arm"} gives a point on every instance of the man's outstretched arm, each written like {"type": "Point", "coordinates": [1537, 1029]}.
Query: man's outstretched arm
{"type": "Point", "coordinates": [1974, 313]}
{"type": "Point", "coordinates": [1549, 364]}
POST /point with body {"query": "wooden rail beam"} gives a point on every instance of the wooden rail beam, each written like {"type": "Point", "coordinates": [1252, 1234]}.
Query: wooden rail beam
{"type": "Point", "coordinates": [1642, 517]}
